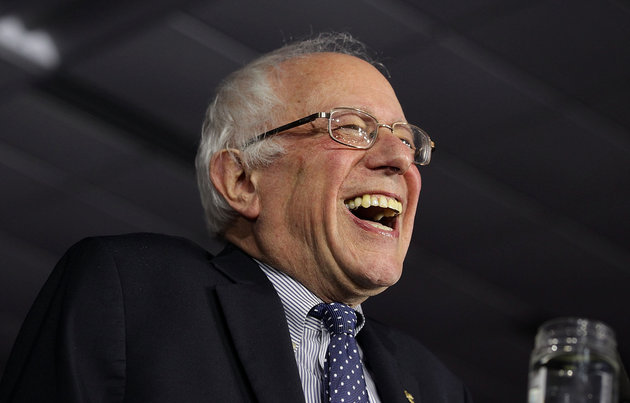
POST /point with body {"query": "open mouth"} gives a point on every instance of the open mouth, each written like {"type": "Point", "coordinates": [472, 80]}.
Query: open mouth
{"type": "Point", "coordinates": [377, 210]}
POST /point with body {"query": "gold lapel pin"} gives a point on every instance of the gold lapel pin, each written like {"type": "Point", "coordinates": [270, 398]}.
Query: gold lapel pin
{"type": "Point", "coordinates": [409, 397]}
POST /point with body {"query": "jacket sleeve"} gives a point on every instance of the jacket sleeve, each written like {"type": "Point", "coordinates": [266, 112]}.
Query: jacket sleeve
{"type": "Point", "coordinates": [71, 347]}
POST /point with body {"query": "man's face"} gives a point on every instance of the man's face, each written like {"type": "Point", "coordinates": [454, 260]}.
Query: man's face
{"type": "Point", "coordinates": [305, 227]}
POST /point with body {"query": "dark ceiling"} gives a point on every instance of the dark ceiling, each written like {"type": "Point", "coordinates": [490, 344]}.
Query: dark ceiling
{"type": "Point", "coordinates": [524, 211]}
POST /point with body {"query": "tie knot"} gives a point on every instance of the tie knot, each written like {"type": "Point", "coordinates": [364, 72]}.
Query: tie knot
{"type": "Point", "coordinates": [338, 318]}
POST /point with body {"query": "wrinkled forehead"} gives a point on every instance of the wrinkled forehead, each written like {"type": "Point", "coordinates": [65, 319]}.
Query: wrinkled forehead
{"type": "Point", "coordinates": [321, 81]}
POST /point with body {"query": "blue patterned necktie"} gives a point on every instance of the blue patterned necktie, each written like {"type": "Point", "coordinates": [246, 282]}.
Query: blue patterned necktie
{"type": "Point", "coordinates": [343, 371]}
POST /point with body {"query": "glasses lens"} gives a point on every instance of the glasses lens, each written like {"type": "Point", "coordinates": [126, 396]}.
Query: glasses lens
{"type": "Point", "coordinates": [417, 140]}
{"type": "Point", "coordinates": [352, 127]}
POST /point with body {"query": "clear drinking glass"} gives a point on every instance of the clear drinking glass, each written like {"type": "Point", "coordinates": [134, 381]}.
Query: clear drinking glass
{"type": "Point", "coordinates": [574, 361]}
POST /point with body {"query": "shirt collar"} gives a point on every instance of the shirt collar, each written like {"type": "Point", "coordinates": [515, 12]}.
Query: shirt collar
{"type": "Point", "coordinates": [297, 302]}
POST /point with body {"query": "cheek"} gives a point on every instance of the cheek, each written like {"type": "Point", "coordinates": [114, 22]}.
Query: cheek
{"type": "Point", "coordinates": [328, 170]}
{"type": "Point", "coordinates": [414, 183]}
{"type": "Point", "coordinates": [312, 172]}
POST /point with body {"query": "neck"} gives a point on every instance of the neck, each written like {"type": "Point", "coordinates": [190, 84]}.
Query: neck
{"type": "Point", "coordinates": [295, 263]}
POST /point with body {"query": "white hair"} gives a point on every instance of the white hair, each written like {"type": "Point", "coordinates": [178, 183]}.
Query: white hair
{"type": "Point", "coordinates": [246, 105]}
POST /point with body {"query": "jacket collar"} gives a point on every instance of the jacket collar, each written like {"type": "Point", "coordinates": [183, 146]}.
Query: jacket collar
{"type": "Point", "coordinates": [392, 385]}
{"type": "Point", "coordinates": [258, 327]}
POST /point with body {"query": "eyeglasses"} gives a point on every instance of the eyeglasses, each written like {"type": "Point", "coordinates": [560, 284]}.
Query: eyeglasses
{"type": "Point", "coordinates": [358, 129]}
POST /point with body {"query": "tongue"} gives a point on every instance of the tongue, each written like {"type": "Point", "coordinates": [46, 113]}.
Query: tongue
{"type": "Point", "coordinates": [371, 213]}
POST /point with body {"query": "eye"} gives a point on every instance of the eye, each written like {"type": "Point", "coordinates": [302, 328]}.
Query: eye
{"type": "Point", "coordinates": [353, 135]}
{"type": "Point", "coordinates": [407, 139]}
{"type": "Point", "coordinates": [405, 134]}
{"type": "Point", "coordinates": [407, 143]}
{"type": "Point", "coordinates": [353, 129]}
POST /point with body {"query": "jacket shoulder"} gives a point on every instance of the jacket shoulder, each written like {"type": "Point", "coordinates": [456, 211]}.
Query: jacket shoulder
{"type": "Point", "coordinates": [141, 243]}
{"type": "Point", "coordinates": [137, 252]}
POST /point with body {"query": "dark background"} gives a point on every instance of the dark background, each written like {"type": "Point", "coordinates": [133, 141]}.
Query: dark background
{"type": "Point", "coordinates": [524, 211]}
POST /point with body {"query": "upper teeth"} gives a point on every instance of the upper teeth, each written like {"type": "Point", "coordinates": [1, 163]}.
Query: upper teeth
{"type": "Point", "coordinates": [394, 206]}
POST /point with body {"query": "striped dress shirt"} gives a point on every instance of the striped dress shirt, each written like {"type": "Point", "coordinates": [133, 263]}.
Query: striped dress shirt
{"type": "Point", "coordinates": [308, 335]}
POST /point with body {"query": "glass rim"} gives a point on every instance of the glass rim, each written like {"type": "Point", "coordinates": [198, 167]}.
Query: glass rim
{"type": "Point", "coordinates": [575, 331]}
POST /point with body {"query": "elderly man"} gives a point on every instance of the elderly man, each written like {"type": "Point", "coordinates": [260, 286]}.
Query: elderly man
{"type": "Point", "coordinates": [308, 169]}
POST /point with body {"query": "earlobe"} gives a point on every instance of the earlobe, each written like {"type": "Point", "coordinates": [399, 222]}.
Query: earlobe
{"type": "Point", "coordinates": [234, 182]}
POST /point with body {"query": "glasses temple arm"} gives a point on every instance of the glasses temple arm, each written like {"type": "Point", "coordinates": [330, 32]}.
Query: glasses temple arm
{"type": "Point", "coordinates": [288, 126]}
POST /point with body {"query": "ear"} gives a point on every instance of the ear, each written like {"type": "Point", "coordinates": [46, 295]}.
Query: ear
{"type": "Point", "coordinates": [231, 179]}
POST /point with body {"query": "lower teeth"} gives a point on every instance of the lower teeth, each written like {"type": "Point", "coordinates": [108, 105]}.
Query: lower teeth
{"type": "Point", "coordinates": [379, 225]}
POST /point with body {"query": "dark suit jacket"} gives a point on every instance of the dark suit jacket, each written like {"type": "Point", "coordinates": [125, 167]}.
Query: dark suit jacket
{"type": "Point", "coordinates": [151, 318]}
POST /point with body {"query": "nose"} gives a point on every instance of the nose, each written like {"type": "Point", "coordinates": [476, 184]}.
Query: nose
{"type": "Point", "coordinates": [389, 152]}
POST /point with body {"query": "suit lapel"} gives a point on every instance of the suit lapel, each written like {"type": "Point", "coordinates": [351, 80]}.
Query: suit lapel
{"type": "Point", "coordinates": [259, 329]}
{"type": "Point", "coordinates": [384, 368]}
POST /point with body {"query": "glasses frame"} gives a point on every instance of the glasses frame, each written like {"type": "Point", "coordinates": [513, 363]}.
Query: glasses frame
{"type": "Point", "coordinates": [327, 115]}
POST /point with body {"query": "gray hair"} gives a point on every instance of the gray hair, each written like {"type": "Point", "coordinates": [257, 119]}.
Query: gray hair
{"type": "Point", "coordinates": [246, 105]}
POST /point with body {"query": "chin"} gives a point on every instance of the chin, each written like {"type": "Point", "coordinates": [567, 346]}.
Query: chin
{"type": "Point", "coordinates": [379, 275]}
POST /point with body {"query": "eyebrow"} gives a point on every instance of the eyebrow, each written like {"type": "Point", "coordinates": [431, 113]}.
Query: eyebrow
{"type": "Point", "coordinates": [369, 110]}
